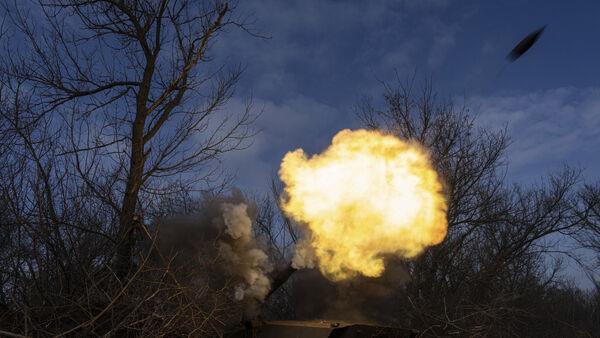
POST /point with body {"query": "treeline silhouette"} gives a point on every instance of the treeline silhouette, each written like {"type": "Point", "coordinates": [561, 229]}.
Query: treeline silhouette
{"type": "Point", "coordinates": [112, 121]}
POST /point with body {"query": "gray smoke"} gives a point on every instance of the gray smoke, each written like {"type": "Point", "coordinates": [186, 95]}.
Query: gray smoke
{"type": "Point", "coordinates": [217, 244]}
{"type": "Point", "coordinates": [359, 299]}
{"type": "Point", "coordinates": [243, 257]}
{"type": "Point", "coordinates": [304, 255]}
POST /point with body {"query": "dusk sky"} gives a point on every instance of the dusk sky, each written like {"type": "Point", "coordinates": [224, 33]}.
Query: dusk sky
{"type": "Point", "coordinates": [168, 168]}
{"type": "Point", "coordinates": [323, 56]}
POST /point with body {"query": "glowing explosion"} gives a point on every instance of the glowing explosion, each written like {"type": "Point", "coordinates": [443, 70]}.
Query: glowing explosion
{"type": "Point", "coordinates": [366, 196]}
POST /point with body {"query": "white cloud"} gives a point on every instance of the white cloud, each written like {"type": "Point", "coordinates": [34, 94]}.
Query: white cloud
{"type": "Point", "coordinates": [547, 128]}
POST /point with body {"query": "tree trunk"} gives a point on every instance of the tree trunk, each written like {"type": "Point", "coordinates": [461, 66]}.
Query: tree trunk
{"type": "Point", "coordinates": [127, 220]}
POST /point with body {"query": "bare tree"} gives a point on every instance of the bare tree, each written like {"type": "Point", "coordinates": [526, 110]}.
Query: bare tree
{"type": "Point", "coordinates": [108, 108]}
{"type": "Point", "coordinates": [498, 272]}
{"type": "Point", "coordinates": [129, 92]}
{"type": "Point", "coordinates": [590, 196]}
{"type": "Point", "coordinates": [489, 275]}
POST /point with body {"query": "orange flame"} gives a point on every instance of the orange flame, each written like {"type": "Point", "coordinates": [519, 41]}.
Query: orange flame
{"type": "Point", "coordinates": [366, 196]}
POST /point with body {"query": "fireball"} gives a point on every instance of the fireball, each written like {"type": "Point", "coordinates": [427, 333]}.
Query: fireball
{"type": "Point", "coordinates": [368, 196]}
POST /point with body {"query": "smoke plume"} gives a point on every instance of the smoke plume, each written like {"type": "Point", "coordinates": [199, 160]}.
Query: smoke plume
{"type": "Point", "coordinates": [243, 257]}
{"type": "Point", "coordinates": [217, 242]}
{"type": "Point", "coordinates": [360, 299]}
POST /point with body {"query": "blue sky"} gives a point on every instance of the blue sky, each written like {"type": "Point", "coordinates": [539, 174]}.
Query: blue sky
{"type": "Point", "coordinates": [324, 55]}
